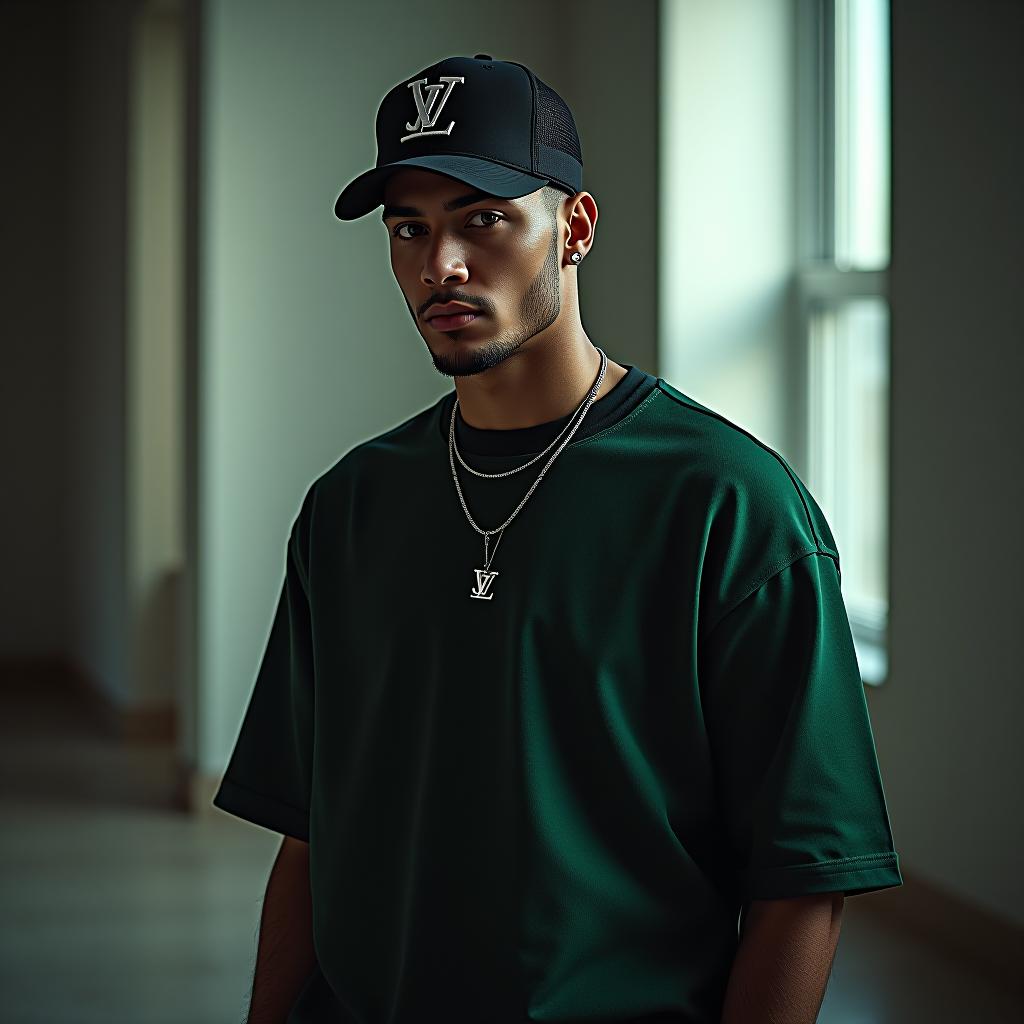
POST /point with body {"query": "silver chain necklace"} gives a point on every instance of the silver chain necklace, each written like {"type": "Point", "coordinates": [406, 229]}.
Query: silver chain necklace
{"type": "Point", "coordinates": [484, 576]}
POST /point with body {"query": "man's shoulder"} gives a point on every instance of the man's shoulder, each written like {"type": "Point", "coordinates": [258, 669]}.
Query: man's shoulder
{"type": "Point", "coordinates": [404, 440]}
{"type": "Point", "coordinates": [375, 458]}
{"type": "Point", "coordinates": [720, 446]}
{"type": "Point", "coordinates": [746, 483]}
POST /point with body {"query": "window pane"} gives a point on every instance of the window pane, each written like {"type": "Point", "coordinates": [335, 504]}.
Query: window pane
{"type": "Point", "coordinates": [862, 134]}
{"type": "Point", "coordinates": [849, 365]}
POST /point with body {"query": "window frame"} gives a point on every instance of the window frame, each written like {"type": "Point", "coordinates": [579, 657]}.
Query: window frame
{"type": "Point", "coordinates": [821, 286]}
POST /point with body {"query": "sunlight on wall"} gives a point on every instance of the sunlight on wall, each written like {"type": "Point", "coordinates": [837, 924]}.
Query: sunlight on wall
{"type": "Point", "coordinates": [726, 207]}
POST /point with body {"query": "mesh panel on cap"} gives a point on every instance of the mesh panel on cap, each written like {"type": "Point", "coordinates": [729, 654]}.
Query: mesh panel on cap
{"type": "Point", "coordinates": [555, 125]}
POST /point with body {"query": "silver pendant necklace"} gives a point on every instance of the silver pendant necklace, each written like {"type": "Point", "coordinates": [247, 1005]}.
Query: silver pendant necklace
{"type": "Point", "coordinates": [485, 577]}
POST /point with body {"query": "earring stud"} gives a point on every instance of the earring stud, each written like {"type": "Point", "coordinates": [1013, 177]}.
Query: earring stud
{"type": "Point", "coordinates": [576, 257]}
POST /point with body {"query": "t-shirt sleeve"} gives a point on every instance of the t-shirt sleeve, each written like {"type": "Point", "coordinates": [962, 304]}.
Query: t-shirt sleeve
{"type": "Point", "coordinates": [794, 757]}
{"type": "Point", "coordinates": [268, 776]}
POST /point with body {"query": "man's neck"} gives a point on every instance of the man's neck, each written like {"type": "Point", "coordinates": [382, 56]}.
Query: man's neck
{"type": "Point", "coordinates": [534, 389]}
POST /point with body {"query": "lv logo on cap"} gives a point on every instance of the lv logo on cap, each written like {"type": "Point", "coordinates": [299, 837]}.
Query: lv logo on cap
{"type": "Point", "coordinates": [429, 107]}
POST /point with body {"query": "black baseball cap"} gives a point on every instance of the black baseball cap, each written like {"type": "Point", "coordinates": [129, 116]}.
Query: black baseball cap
{"type": "Point", "coordinates": [490, 123]}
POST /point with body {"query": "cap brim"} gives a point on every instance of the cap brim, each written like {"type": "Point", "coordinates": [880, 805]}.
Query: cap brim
{"type": "Point", "coordinates": [365, 193]}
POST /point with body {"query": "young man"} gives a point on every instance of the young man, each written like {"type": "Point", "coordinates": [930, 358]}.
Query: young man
{"type": "Point", "coordinates": [560, 679]}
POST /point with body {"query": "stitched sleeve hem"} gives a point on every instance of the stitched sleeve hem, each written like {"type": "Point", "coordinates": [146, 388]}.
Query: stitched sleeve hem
{"type": "Point", "coordinates": [850, 875]}
{"type": "Point", "coordinates": [262, 810]}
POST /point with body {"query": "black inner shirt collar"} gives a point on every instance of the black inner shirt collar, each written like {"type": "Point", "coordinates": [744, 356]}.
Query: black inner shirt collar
{"type": "Point", "coordinates": [608, 409]}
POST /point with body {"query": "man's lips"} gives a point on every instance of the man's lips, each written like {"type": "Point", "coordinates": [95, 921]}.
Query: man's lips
{"type": "Point", "coordinates": [454, 308]}
{"type": "Point", "coordinates": [453, 322]}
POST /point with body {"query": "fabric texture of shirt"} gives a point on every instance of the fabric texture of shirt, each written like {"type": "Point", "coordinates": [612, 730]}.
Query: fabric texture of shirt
{"type": "Point", "coordinates": [551, 804]}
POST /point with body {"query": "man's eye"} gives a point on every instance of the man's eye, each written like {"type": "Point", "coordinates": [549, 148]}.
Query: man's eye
{"type": "Point", "coordinates": [479, 213]}
{"type": "Point", "coordinates": [487, 213]}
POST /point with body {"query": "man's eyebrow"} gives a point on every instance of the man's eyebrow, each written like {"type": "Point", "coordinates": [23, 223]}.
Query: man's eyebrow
{"type": "Point", "coordinates": [452, 204]}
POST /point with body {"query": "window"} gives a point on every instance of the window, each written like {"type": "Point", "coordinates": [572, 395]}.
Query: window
{"type": "Point", "coordinates": [843, 258]}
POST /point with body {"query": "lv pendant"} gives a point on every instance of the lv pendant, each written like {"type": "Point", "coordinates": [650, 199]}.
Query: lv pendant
{"type": "Point", "coordinates": [484, 576]}
{"type": "Point", "coordinates": [484, 579]}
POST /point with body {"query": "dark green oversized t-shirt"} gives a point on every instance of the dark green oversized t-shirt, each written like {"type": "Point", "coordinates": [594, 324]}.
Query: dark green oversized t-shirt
{"type": "Point", "coordinates": [551, 805]}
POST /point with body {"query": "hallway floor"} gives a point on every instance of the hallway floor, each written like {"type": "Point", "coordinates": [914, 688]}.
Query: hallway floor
{"type": "Point", "coordinates": [116, 909]}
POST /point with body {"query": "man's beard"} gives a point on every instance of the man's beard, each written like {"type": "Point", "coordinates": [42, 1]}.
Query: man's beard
{"type": "Point", "coordinates": [539, 309]}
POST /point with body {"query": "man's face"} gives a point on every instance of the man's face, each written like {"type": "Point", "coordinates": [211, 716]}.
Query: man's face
{"type": "Point", "coordinates": [500, 256]}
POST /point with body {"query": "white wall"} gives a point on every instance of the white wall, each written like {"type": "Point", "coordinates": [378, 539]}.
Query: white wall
{"type": "Point", "coordinates": [727, 206]}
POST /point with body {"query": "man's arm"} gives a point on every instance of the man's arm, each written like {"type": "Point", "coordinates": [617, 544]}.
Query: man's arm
{"type": "Point", "coordinates": [784, 959]}
{"type": "Point", "coordinates": [285, 957]}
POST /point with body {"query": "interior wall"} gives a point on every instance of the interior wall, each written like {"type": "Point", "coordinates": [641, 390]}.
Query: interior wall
{"type": "Point", "coordinates": [90, 422]}
{"type": "Point", "coordinates": [95, 179]}
{"type": "Point", "coordinates": [726, 207]}
{"type": "Point", "coordinates": [289, 348]}
{"type": "Point", "coordinates": [606, 65]}
{"type": "Point", "coordinates": [947, 722]}
{"type": "Point", "coordinates": [306, 347]}
{"type": "Point", "coordinates": [36, 610]}
{"type": "Point", "coordinates": [155, 350]}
